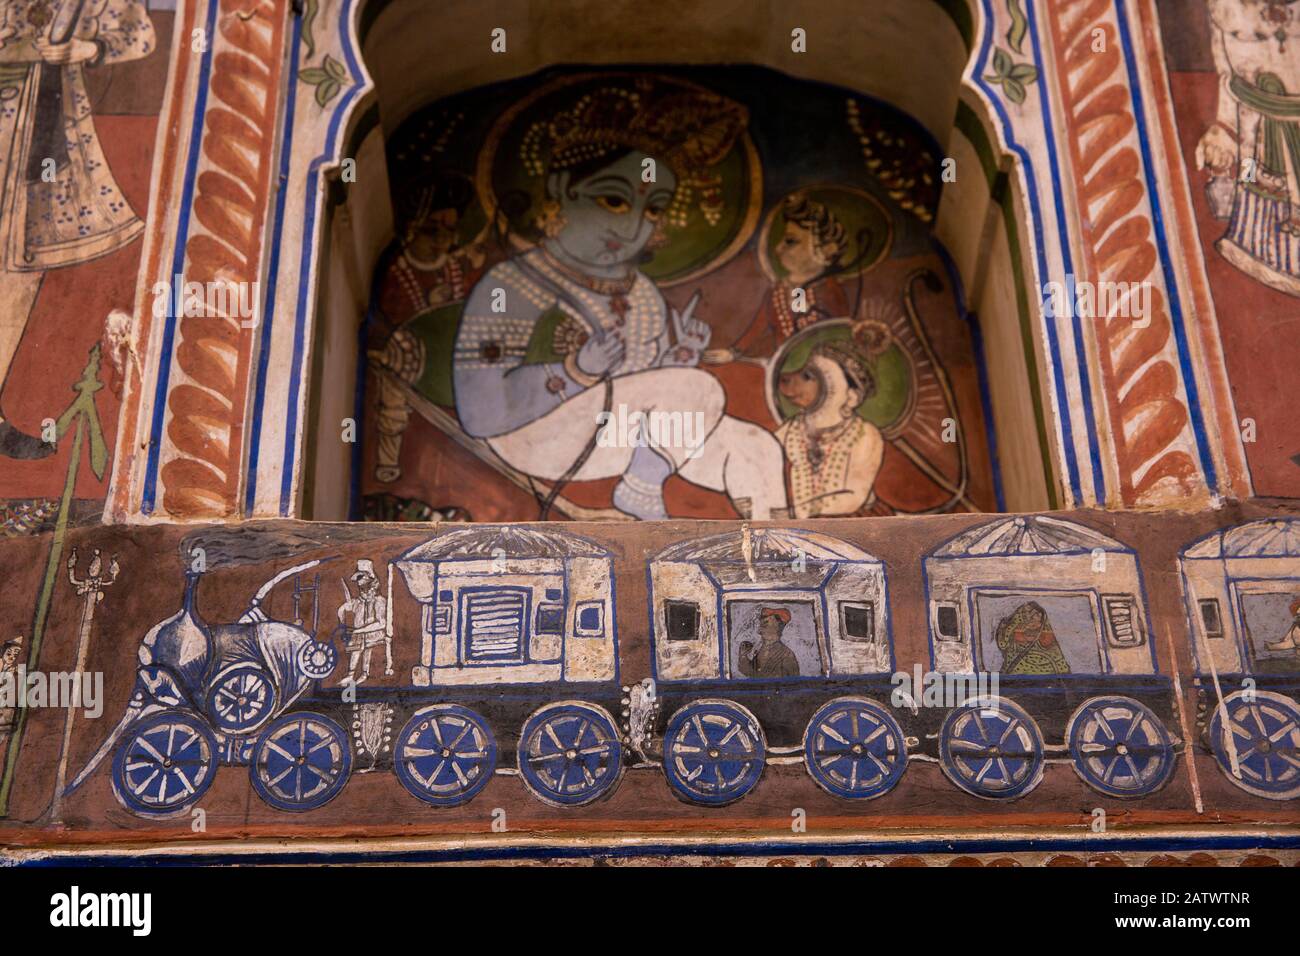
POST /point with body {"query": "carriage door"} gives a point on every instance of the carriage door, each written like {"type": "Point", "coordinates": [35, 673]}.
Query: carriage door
{"type": "Point", "coordinates": [494, 625]}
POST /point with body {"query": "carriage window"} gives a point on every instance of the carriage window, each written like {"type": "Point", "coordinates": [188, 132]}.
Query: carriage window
{"type": "Point", "coordinates": [1123, 623]}
{"type": "Point", "coordinates": [682, 620]}
{"type": "Point", "coordinates": [946, 623]}
{"type": "Point", "coordinates": [550, 619]}
{"type": "Point", "coordinates": [591, 619]}
{"type": "Point", "coordinates": [858, 621]}
{"type": "Point", "coordinates": [1210, 619]}
{"type": "Point", "coordinates": [442, 620]}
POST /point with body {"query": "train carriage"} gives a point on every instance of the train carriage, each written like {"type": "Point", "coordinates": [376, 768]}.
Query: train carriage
{"type": "Point", "coordinates": [1057, 611]}
{"type": "Point", "coordinates": [1242, 590]}
{"type": "Point", "coordinates": [773, 645]}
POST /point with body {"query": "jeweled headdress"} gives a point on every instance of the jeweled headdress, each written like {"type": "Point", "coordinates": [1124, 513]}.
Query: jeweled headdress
{"type": "Point", "coordinates": [691, 130]}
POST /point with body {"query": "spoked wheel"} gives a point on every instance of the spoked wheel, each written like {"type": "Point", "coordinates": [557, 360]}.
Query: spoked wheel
{"type": "Point", "coordinates": [1264, 728]}
{"type": "Point", "coordinates": [301, 762]}
{"type": "Point", "coordinates": [164, 765]}
{"type": "Point", "coordinates": [991, 748]}
{"type": "Point", "coordinates": [1119, 747]}
{"type": "Point", "coordinates": [445, 755]}
{"type": "Point", "coordinates": [714, 752]}
{"type": "Point", "coordinates": [570, 753]}
{"type": "Point", "coordinates": [241, 699]}
{"type": "Point", "coordinates": [854, 748]}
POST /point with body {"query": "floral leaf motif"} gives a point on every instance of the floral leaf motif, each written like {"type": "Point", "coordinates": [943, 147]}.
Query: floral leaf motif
{"type": "Point", "coordinates": [1019, 25]}
{"type": "Point", "coordinates": [310, 8]}
{"type": "Point", "coordinates": [328, 78]}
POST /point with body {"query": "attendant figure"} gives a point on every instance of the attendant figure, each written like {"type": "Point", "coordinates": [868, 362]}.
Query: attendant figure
{"type": "Point", "coordinates": [833, 452]}
{"type": "Point", "coordinates": [811, 249]}
{"type": "Point", "coordinates": [369, 623]}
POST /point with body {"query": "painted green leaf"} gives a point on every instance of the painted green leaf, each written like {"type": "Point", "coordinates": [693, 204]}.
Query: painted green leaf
{"type": "Point", "coordinates": [312, 75]}
{"type": "Point", "coordinates": [327, 90]}
{"type": "Point", "coordinates": [1019, 25]}
{"type": "Point", "coordinates": [334, 68]}
{"type": "Point", "coordinates": [1024, 72]}
{"type": "Point", "coordinates": [308, 19]}
{"type": "Point", "coordinates": [1015, 91]}
{"type": "Point", "coordinates": [1001, 62]}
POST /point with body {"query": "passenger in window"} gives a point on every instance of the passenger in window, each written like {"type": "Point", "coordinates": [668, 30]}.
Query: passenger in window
{"type": "Point", "coordinates": [1028, 643]}
{"type": "Point", "coordinates": [771, 658]}
{"type": "Point", "coordinates": [1291, 642]}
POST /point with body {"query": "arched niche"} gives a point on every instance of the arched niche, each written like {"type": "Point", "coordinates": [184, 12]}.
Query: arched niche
{"type": "Point", "coordinates": [873, 53]}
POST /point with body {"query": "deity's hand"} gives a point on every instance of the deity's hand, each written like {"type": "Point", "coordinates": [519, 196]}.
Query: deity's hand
{"type": "Point", "coordinates": [600, 356]}
{"type": "Point", "coordinates": [74, 51]}
{"type": "Point", "coordinates": [692, 336]}
{"type": "Point", "coordinates": [1217, 151]}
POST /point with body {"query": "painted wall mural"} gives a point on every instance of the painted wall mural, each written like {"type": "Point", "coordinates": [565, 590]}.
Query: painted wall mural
{"type": "Point", "coordinates": [80, 88]}
{"type": "Point", "coordinates": [1234, 77]}
{"type": "Point", "coordinates": [367, 678]}
{"type": "Point", "coordinates": [706, 292]}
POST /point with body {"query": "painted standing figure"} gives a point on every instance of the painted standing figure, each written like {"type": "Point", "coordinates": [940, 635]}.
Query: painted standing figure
{"type": "Point", "coordinates": [556, 335]}
{"type": "Point", "coordinates": [1252, 150]}
{"type": "Point", "coordinates": [369, 622]}
{"type": "Point", "coordinates": [59, 203]}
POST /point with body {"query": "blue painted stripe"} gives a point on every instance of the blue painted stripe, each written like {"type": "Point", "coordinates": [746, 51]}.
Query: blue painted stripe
{"type": "Point", "coordinates": [1162, 248]}
{"type": "Point", "coordinates": [1093, 843]}
{"type": "Point", "coordinates": [273, 273]}
{"type": "Point", "coordinates": [1049, 327]}
{"type": "Point", "coordinates": [150, 490]}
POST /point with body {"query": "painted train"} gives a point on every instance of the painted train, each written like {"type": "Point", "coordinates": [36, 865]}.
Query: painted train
{"type": "Point", "coordinates": [767, 646]}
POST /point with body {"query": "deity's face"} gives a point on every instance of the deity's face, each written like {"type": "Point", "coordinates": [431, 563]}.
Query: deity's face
{"type": "Point", "coordinates": [797, 252]}
{"type": "Point", "coordinates": [769, 629]}
{"type": "Point", "coordinates": [610, 215]}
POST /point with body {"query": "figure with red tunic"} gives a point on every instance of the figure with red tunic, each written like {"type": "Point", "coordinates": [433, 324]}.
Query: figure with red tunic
{"type": "Point", "coordinates": [431, 269]}
{"type": "Point", "coordinates": [810, 251]}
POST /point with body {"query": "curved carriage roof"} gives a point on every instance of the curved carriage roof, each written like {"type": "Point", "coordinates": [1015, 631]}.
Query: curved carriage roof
{"type": "Point", "coordinates": [1268, 538]}
{"type": "Point", "coordinates": [1026, 535]}
{"type": "Point", "coordinates": [767, 544]}
{"type": "Point", "coordinates": [516, 542]}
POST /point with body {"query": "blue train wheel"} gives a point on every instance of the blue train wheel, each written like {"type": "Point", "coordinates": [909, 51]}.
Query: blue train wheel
{"type": "Point", "coordinates": [164, 764]}
{"type": "Point", "coordinates": [570, 753]}
{"type": "Point", "coordinates": [445, 755]}
{"type": "Point", "coordinates": [1119, 747]}
{"type": "Point", "coordinates": [241, 699]}
{"type": "Point", "coordinates": [714, 752]}
{"type": "Point", "coordinates": [854, 748]}
{"type": "Point", "coordinates": [300, 762]}
{"type": "Point", "coordinates": [991, 747]}
{"type": "Point", "coordinates": [1262, 730]}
